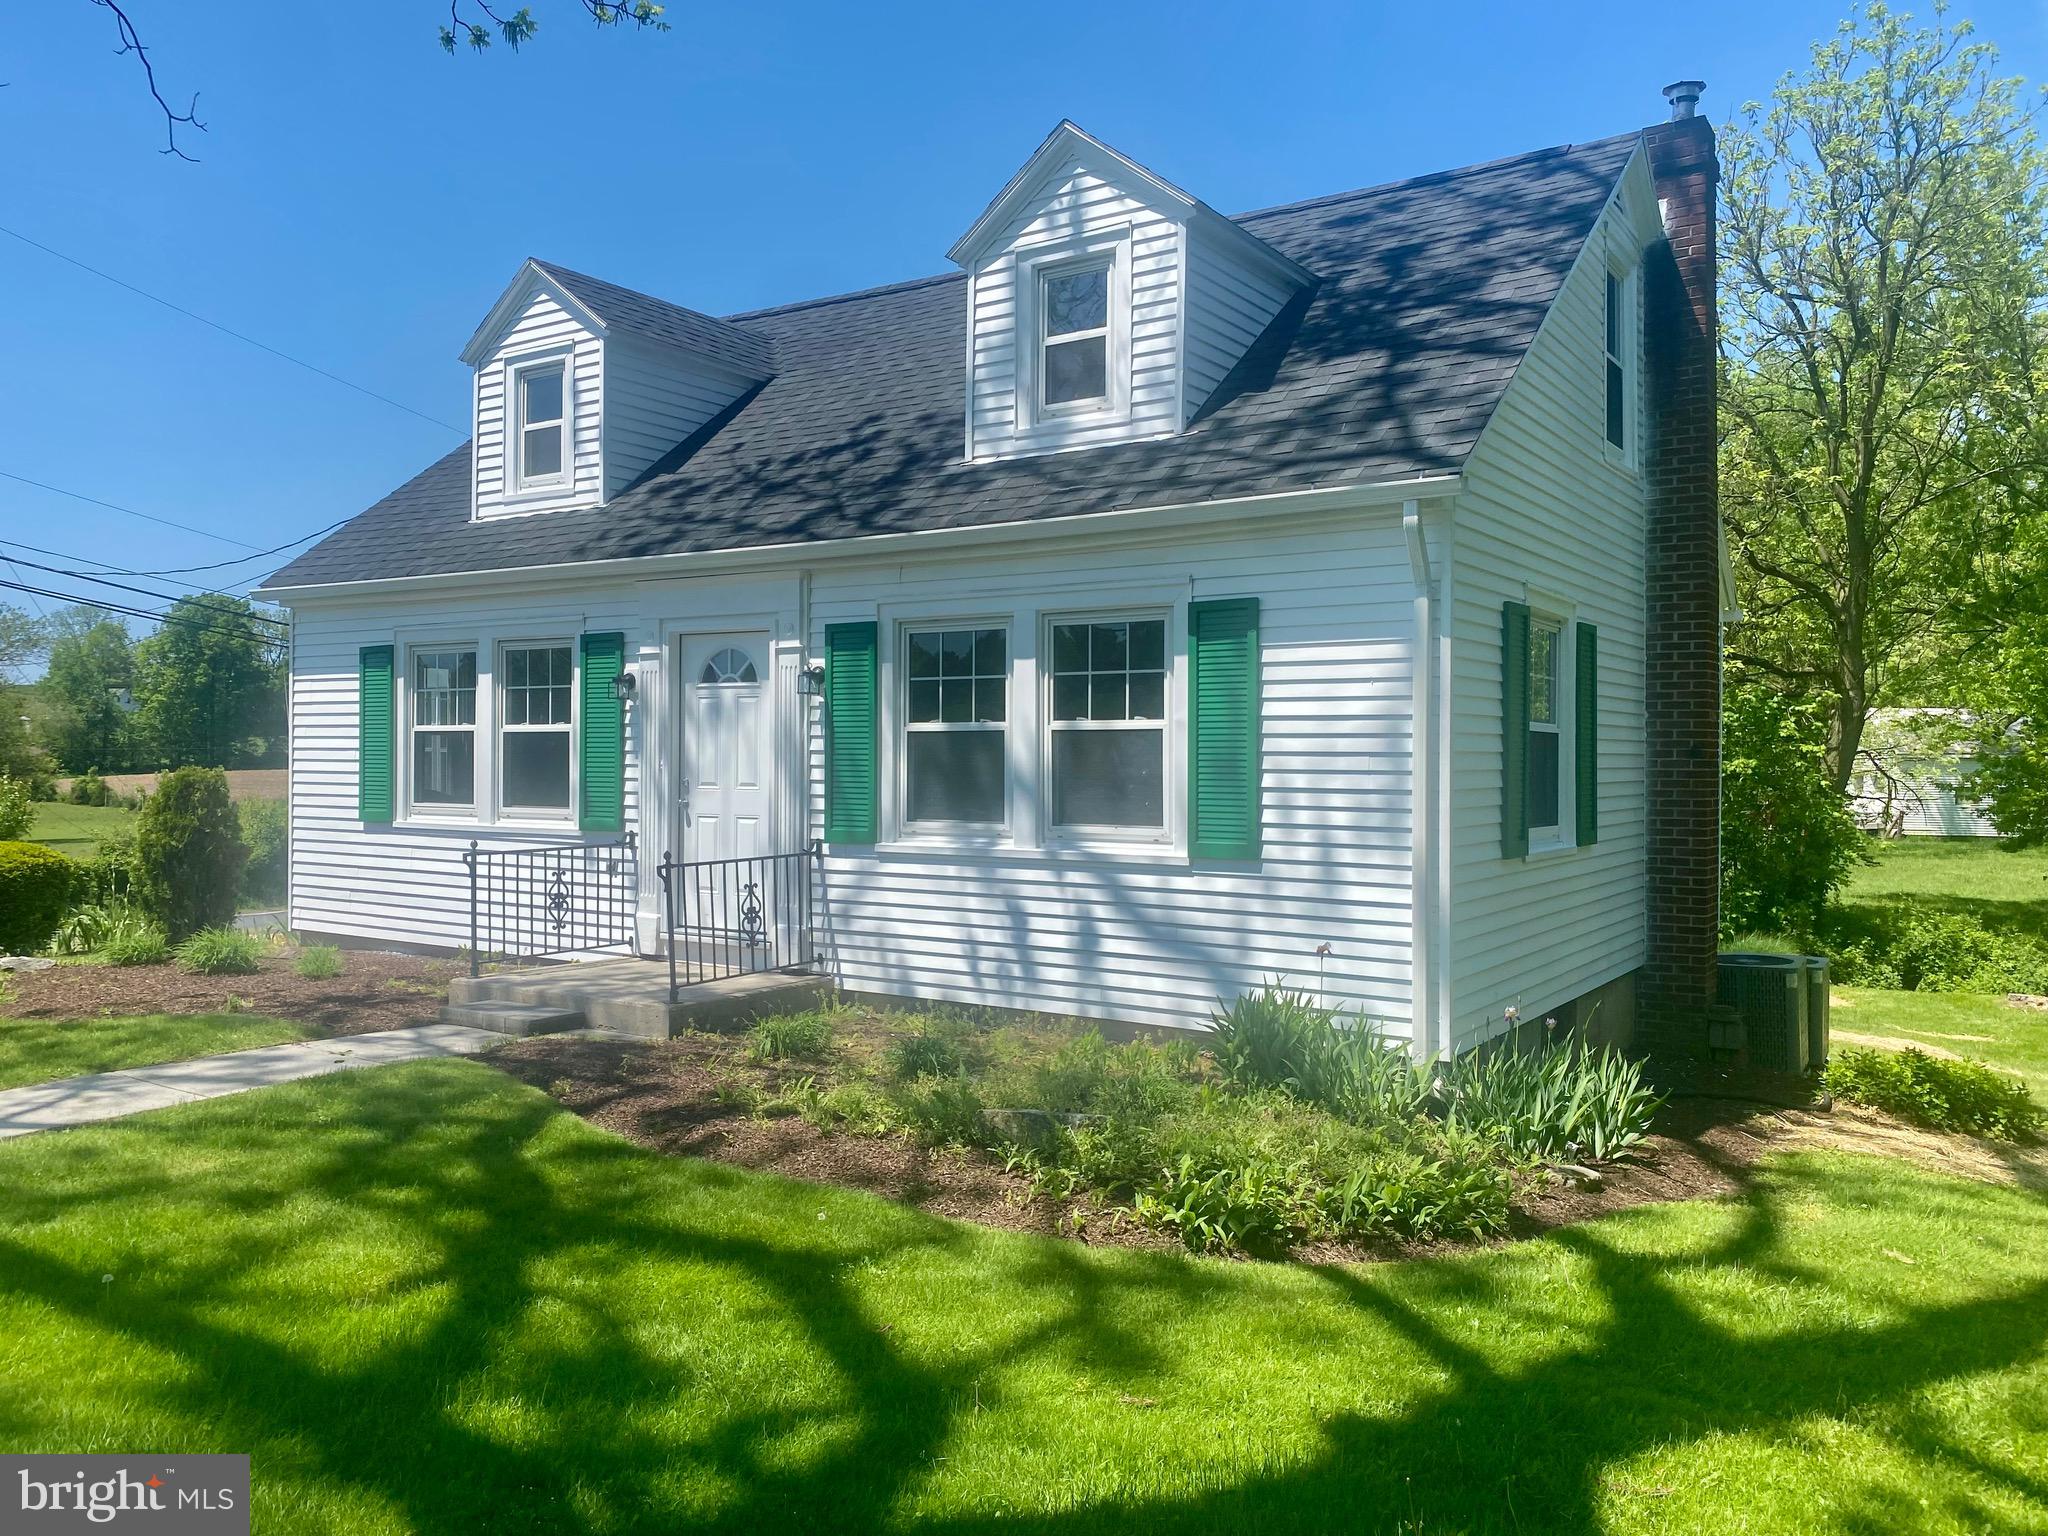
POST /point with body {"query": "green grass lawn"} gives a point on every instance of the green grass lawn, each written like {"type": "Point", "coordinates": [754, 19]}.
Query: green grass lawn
{"type": "Point", "coordinates": [42, 1050]}
{"type": "Point", "coordinates": [1981, 1027]}
{"type": "Point", "coordinates": [73, 829]}
{"type": "Point", "coordinates": [1978, 876]}
{"type": "Point", "coordinates": [423, 1298]}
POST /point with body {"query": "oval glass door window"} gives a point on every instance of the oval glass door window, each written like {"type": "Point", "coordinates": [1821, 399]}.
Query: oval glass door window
{"type": "Point", "coordinates": [731, 665]}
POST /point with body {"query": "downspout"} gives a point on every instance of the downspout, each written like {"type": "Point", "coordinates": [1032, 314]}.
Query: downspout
{"type": "Point", "coordinates": [1422, 776]}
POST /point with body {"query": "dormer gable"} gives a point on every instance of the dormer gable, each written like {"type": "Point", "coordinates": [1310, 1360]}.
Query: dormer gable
{"type": "Point", "coordinates": [1104, 303]}
{"type": "Point", "coordinates": [581, 385]}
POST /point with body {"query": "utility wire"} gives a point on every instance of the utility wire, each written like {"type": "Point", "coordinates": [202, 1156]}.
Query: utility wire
{"type": "Point", "coordinates": [148, 517]}
{"type": "Point", "coordinates": [99, 566]}
{"type": "Point", "coordinates": [396, 405]}
{"type": "Point", "coordinates": [162, 597]}
{"type": "Point", "coordinates": [110, 606]}
{"type": "Point", "coordinates": [179, 570]}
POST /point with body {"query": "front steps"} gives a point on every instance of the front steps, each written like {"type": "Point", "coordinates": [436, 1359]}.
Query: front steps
{"type": "Point", "coordinates": [624, 997]}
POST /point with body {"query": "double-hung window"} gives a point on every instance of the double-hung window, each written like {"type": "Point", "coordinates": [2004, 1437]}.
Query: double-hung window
{"type": "Point", "coordinates": [443, 693]}
{"type": "Point", "coordinates": [541, 403]}
{"type": "Point", "coordinates": [1617, 356]}
{"type": "Point", "coordinates": [1107, 723]}
{"type": "Point", "coordinates": [535, 720]}
{"type": "Point", "coordinates": [956, 709]}
{"type": "Point", "coordinates": [1546, 740]}
{"type": "Point", "coordinates": [1073, 309]}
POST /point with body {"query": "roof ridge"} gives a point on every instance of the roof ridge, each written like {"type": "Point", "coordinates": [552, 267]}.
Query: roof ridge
{"type": "Point", "coordinates": [638, 293]}
{"type": "Point", "coordinates": [844, 298]}
{"type": "Point", "coordinates": [1435, 178]}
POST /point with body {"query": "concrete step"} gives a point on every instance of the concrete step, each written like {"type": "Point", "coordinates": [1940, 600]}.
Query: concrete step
{"type": "Point", "coordinates": [511, 1018]}
{"type": "Point", "coordinates": [630, 997]}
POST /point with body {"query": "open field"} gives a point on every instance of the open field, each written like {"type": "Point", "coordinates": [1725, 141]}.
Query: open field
{"type": "Point", "coordinates": [73, 829]}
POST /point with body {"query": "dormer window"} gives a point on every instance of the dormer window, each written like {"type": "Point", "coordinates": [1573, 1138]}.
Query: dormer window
{"type": "Point", "coordinates": [1074, 306]}
{"type": "Point", "coordinates": [541, 403]}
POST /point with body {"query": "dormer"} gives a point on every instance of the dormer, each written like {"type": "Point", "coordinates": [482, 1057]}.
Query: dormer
{"type": "Point", "coordinates": [582, 385]}
{"type": "Point", "coordinates": [1105, 305]}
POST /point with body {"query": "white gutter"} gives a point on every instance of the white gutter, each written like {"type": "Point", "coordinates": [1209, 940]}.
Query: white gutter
{"type": "Point", "coordinates": [1424, 779]}
{"type": "Point", "coordinates": [892, 546]}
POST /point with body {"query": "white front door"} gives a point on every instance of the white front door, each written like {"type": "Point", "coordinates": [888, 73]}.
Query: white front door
{"type": "Point", "coordinates": [725, 789]}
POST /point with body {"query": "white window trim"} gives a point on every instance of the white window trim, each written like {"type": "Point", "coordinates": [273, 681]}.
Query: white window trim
{"type": "Point", "coordinates": [1562, 838]}
{"type": "Point", "coordinates": [439, 815]}
{"type": "Point", "coordinates": [536, 815]}
{"type": "Point", "coordinates": [1628, 297]}
{"type": "Point", "coordinates": [1032, 266]}
{"type": "Point", "coordinates": [897, 716]}
{"type": "Point", "coordinates": [517, 483]}
{"type": "Point", "coordinates": [1042, 342]}
{"type": "Point", "coordinates": [1173, 763]}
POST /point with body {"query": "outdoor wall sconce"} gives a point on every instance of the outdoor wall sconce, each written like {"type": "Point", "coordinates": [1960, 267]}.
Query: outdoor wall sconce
{"type": "Point", "coordinates": [623, 687]}
{"type": "Point", "coordinates": [810, 683]}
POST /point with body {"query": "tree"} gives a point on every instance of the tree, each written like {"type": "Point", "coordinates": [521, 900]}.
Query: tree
{"type": "Point", "coordinates": [1882, 253]}
{"type": "Point", "coordinates": [469, 21]}
{"type": "Point", "coordinates": [1787, 838]}
{"type": "Point", "coordinates": [21, 642]}
{"type": "Point", "coordinates": [188, 852]}
{"type": "Point", "coordinates": [209, 686]}
{"type": "Point", "coordinates": [89, 684]}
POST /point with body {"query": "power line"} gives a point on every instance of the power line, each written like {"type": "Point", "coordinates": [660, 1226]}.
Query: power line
{"type": "Point", "coordinates": [262, 346]}
{"type": "Point", "coordinates": [148, 517]}
{"type": "Point", "coordinates": [100, 565]}
{"type": "Point", "coordinates": [162, 597]}
{"type": "Point", "coordinates": [110, 606]}
{"type": "Point", "coordinates": [177, 570]}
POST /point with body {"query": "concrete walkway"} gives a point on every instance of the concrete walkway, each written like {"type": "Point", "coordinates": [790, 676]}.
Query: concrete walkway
{"type": "Point", "coordinates": [108, 1095]}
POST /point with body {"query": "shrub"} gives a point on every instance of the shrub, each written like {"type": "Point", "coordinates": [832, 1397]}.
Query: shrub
{"type": "Point", "coordinates": [318, 962]}
{"type": "Point", "coordinates": [220, 951]}
{"type": "Point", "coordinates": [109, 874]}
{"type": "Point", "coordinates": [1278, 1038]}
{"type": "Point", "coordinates": [17, 808]}
{"type": "Point", "coordinates": [88, 788]}
{"type": "Point", "coordinates": [1943, 1095]}
{"type": "Point", "coordinates": [35, 887]}
{"type": "Point", "coordinates": [1788, 839]}
{"type": "Point", "coordinates": [1924, 950]}
{"type": "Point", "coordinates": [787, 1036]}
{"type": "Point", "coordinates": [941, 1046]}
{"type": "Point", "coordinates": [136, 942]}
{"type": "Point", "coordinates": [265, 830]}
{"type": "Point", "coordinates": [188, 852]}
{"type": "Point", "coordinates": [1561, 1101]}
{"type": "Point", "coordinates": [943, 1111]}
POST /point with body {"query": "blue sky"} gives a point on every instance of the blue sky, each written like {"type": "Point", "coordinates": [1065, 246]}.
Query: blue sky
{"type": "Point", "coordinates": [361, 197]}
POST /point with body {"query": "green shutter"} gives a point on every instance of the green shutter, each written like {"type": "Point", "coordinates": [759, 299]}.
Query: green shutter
{"type": "Point", "coordinates": [1514, 730]}
{"type": "Point", "coordinates": [601, 741]}
{"type": "Point", "coordinates": [1586, 735]}
{"type": "Point", "coordinates": [1223, 729]}
{"type": "Point", "coordinates": [851, 679]}
{"type": "Point", "coordinates": [373, 733]}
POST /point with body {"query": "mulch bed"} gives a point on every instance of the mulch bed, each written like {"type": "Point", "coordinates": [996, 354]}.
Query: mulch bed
{"type": "Point", "coordinates": [665, 1096]}
{"type": "Point", "coordinates": [375, 990]}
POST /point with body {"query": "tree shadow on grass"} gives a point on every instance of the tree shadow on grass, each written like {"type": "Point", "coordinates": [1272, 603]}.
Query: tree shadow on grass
{"type": "Point", "coordinates": [747, 1382]}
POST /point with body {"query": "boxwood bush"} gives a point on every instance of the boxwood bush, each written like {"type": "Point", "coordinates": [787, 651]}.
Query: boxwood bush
{"type": "Point", "coordinates": [188, 852]}
{"type": "Point", "coordinates": [35, 888]}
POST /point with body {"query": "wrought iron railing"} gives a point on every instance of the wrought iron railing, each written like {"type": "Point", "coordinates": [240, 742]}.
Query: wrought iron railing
{"type": "Point", "coordinates": [531, 902]}
{"type": "Point", "coordinates": [736, 917]}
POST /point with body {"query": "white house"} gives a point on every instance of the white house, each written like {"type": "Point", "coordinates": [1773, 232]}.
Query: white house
{"type": "Point", "coordinates": [1913, 772]}
{"type": "Point", "coordinates": [1123, 616]}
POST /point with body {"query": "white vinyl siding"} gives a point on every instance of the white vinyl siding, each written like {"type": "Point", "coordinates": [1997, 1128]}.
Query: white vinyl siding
{"type": "Point", "coordinates": [543, 328]}
{"type": "Point", "coordinates": [654, 398]}
{"type": "Point", "coordinates": [1077, 204]}
{"type": "Point", "coordinates": [1546, 518]}
{"type": "Point", "coordinates": [404, 883]}
{"type": "Point", "coordinates": [1140, 933]}
{"type": "Point", "coordinates": [1230, 304]}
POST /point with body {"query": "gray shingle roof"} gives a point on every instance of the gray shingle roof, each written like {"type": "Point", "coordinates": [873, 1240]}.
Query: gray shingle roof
{"type": "Point", "coordinates": [1431, 290]}
{"type": "Point", "coordinates": [621, 309]}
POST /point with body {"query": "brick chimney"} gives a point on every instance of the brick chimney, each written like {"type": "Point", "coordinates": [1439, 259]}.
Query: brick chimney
{"type": "Point", "coordinates": [1684, 606]}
